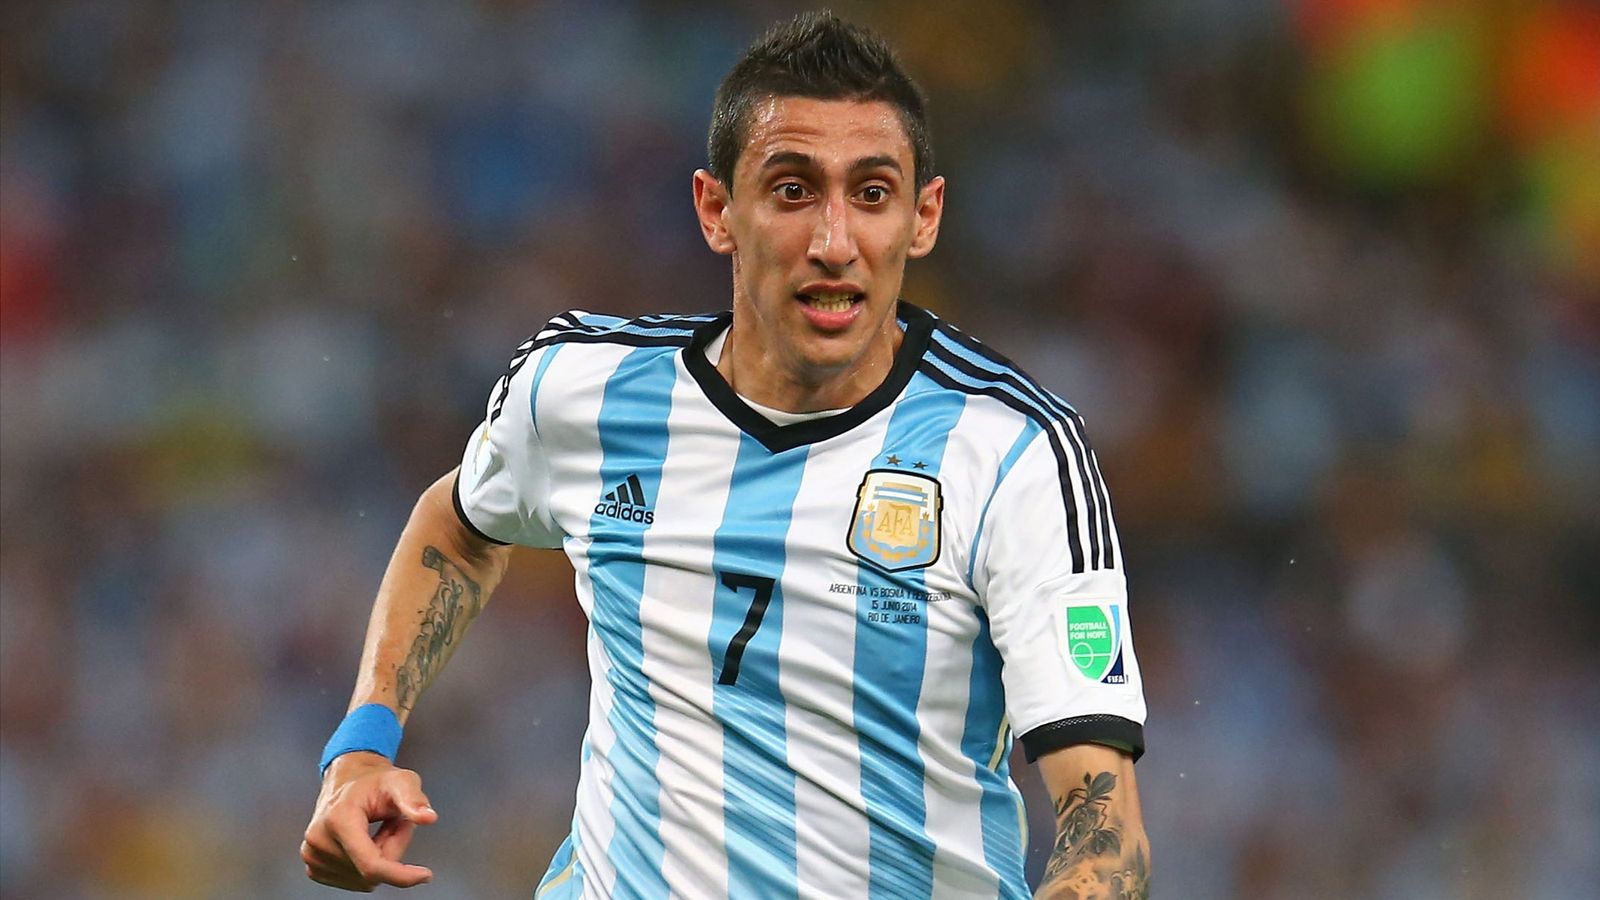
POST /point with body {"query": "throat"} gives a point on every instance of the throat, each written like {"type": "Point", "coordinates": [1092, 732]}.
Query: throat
{"type": "Point", "coordinates": [765, 379]}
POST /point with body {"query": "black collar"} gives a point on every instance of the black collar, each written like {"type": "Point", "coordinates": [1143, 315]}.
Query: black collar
{"type": "Point", "coordinates": [778, 438]}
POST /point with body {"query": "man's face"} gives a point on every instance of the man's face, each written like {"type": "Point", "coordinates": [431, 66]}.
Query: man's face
{"type": "Point", "coordinates": [823, 215]}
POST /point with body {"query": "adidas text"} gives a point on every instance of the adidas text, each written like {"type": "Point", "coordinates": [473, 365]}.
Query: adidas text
{"type": "Point", "coordinates": [625, 511]}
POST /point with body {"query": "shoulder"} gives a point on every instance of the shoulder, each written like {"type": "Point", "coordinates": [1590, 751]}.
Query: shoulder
{"type": "Point", "coordinates": [1048, 453]}
{"type": "Point", "coordinates": [589, 342]}
{"type": "Point", "coordinates": [956, 361]}
{"type": "Point", "coordinates": [654, 330]}
{"type": "Point", "coordinates": [564, 367]}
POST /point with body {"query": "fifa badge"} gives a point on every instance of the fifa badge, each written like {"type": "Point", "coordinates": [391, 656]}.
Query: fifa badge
{"type": "Point", "coordinates": [1090, 637]}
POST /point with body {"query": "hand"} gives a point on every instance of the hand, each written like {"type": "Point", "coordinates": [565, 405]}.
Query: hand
{"type": "Point", "coordinates": [358, 789]}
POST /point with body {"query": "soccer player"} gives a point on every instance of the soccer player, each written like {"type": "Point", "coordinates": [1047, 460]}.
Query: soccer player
{"type": "Point", "coordinates": [834, 554]}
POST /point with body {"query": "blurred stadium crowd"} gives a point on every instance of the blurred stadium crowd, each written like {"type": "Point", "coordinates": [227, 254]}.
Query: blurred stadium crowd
{"type": "Point", "coordinates": [1322, 275]}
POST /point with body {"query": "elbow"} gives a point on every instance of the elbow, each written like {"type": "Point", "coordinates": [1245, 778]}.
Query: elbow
{"type": "Point", "coordinates": [439, 509]}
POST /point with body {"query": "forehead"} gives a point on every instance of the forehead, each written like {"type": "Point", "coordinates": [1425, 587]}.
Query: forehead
{"type": "Point", "coordinates": [829, 131]}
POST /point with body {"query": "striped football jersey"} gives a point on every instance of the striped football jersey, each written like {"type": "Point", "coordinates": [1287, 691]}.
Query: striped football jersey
{"type": "Point", "coordinates": [810, 644]}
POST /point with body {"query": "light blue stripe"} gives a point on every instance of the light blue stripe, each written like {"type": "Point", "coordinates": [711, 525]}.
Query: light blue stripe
{"type": "Point", "coordinates": [633, 441]}
{"type": "Point", "coordinates": [649, 329]}
{"type": "Point", "coordinates": [564, 879]}
{"type": "Point", "coordinates": [758, 785]}
{"type": "Point", "coordinates": [693, 319]}
{"type": "Point", "coordinates": [889, 661]}
{"type": "Point", "coordinates": [986, 705]}
{"type": "Point", "coordinates": [599, 320]}
{"type": "Point", "coordinates": [646, 325]}
{"type": "Point", "coordinates": [538, 378]}
{"type": "Point", "coordinates": [1030, 430]}
{"type": "Point", "coordinates": [912, 496]}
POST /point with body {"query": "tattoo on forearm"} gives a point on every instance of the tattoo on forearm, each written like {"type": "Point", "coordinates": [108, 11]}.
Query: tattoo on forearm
{"type": "Point", "coordinates": [1089, 861]}
{"type": "Point", "coordinates": [455, 601]}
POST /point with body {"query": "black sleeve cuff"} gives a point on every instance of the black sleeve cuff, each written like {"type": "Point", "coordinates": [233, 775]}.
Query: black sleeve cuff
{"type": "Point", "coordinates": [1112, 731]}
{"type": "Point", "coordinates": [455, 500]}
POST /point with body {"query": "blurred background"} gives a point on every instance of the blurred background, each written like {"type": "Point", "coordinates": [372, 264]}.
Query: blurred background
{"type": "Point", "coordinates": [1322, 275]}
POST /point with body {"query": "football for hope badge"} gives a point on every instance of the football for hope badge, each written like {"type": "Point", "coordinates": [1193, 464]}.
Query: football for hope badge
{"type": "Point", "coordinates": [1091, 639]}
{"type": "Point", "coordinates": [895, 525]}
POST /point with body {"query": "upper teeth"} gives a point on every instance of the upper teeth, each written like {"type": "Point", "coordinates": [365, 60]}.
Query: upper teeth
{"type": "Point", "coordinates": [831, 301]}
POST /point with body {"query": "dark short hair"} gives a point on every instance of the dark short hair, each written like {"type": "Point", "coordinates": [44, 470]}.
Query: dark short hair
{"type": "Point", "coordinates": [817, 55]}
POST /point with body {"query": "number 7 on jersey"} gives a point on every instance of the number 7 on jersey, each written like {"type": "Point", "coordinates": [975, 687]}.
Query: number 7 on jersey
{"type": "Point", "coordinates": [762, 588]}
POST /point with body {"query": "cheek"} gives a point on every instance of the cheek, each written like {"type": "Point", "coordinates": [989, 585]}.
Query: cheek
{"type": "Point", "coordinates": [774, 246]}
{"type": "Point", "coordinates": [762, 261]}
{"type": "Point", "coordinates": [890, 244]}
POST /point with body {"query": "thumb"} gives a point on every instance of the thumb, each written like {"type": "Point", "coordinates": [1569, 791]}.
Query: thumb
{"type": "Point", "coordinates": [414, 805]}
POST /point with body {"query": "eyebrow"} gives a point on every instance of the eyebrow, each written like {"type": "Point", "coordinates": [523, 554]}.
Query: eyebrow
{"type": "Point", "coordinates": [877, 162]}
{"type": "Point", "coordinates": [795, 158]}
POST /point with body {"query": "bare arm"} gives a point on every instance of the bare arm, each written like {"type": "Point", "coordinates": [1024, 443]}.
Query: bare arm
{"type": "Point", "coordinates": [436, 583]}
{"type": "Point", "coordinates": [1100, 850]}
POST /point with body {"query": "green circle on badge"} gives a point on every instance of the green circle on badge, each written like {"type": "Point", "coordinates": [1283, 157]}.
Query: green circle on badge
{"type": "Point", "coordinates": [1090, 643]}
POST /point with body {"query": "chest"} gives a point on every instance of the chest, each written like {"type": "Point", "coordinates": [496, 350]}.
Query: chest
{"type": "Point", "coordinates": [805, 566]}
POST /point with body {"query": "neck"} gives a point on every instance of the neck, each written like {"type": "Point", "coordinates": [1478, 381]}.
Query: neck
{"type": "Point", "coordinates": [767, 377]}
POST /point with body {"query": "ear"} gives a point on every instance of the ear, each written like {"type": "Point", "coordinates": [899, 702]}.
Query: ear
{"type": "Point", "coordinates": [711, 207]}
{"type": "Point", "coordinates": [930, 209]}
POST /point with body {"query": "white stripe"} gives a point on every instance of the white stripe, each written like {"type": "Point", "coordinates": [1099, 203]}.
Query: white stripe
{"type": "Point", "coordinates": [1093, 493]}
{"type": "Point", "coordinates": [1083, 496]}
{"type": "Point", "coordinates": [575, 473]}
{"type": "Point", "coordinates": [575, 382]}
{"type": "Point", "coordinates": [952, 796]}
{"type": "Point", "coordinates": [676, 619]}
{"type": "Point", "coordinates": [1116, 540]}
{"type": "Point", "coordinates": [951, 792]}
{"type": "Point", "coordinates": [595, 824]}
{"type": "Point", "coordinates": [559, 325]}
{"type": "Point", "coordinates": [816, 673]}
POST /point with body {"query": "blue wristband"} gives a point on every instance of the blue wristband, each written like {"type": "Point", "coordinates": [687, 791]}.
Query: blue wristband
{"type": "Point", "coordinates": [373, 727]}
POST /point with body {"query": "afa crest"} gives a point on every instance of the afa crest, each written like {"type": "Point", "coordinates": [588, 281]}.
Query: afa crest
{"type": "Point", "coordinates": [895, 525]}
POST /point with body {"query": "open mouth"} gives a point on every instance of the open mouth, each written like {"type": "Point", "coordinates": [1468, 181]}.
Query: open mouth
{"type": "Point", "coordinates": [830, 301]}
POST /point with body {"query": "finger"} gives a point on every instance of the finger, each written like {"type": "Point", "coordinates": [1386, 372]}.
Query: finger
{"type": "Point", "coordinates": [316, 855]}
{"type": "Point", "coordinates": [330, 868]}
{"type": "Point", "coordinates": [341, 880]}
{"type": "Point", "coordinates": [351, 833]}
{"type": "Point", "coordinates": [394, 837]}
{"type": "Point", "coordinates": [325, 856]}
{"type": "Point", "coordinates": [420, 813]}
{"type": "Point", "coordinates": [405, 790]}
{"type": "Point", "coordinates": [326, 861]}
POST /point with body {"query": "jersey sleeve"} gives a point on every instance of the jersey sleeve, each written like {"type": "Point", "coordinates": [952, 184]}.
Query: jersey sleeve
{"type": "Point", "coordinates": [1049, 574]}
{"type": "Point", "coordinates": [502, 490]}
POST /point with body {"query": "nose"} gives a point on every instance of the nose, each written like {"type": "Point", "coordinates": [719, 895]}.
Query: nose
{"type": "Point", "coordinates": [833, 244]}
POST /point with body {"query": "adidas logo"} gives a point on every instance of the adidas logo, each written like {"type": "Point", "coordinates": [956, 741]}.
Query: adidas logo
{"type": "Point", "coordinates": [626, 501]}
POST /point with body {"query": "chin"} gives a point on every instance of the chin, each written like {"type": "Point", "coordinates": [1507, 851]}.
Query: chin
{"type": "Point", "coordinates": [831, 355]}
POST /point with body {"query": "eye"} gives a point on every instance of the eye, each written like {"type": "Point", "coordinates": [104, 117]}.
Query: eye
{"type": "Point", "coordinates": [792, 191]}
{"type": "Point", "coordinates": [874, 194]}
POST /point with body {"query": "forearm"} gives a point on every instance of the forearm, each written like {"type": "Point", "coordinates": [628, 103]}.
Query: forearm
{"type": "Point", "coordinates": [1101, 850]}
{"type": "Point", "coordinates": [437, 582]}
